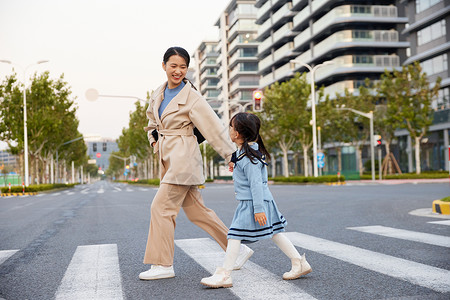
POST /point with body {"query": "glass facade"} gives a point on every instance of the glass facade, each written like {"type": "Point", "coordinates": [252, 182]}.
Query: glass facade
{"type": "Point", "coordinates": [431, 33]}
{"type": "Point", "coordinates": [435, 65]}
{"type": "Point", "coordinates": [422, 5]}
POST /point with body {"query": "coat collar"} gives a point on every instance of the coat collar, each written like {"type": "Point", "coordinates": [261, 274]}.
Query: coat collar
{"type": "Point", "coordinates": [173, 106]}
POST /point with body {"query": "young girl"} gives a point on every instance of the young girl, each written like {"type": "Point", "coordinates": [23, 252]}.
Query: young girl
{"type": "Point", "coordinates": [257, 216]}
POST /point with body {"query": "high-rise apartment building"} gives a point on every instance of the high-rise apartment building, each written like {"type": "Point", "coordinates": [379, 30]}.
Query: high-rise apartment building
{"type": "Point", "coordinates": [429, 35]}
{"type": "Point", "coordinates": [361, 38]}
{"type": "Point", "coordinates": [238, 62]}
{"type": "Point", "coordinates": [206, 72]}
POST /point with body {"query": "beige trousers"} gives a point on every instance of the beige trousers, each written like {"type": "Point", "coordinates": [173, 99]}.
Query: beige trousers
{"type": "Point", "coordinates": [164, 210]}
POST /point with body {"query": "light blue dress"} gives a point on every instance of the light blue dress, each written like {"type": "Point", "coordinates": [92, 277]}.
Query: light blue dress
{"type": "Point", "coordinates": [254, 196]}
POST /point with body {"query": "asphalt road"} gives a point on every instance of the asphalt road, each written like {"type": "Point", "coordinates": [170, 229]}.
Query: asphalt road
{"type": "Point", "coordinates": [361, 241]}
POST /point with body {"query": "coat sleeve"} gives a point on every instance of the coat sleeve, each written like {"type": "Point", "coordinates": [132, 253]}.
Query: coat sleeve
{"type": "Point", "coordinates": [151, 122]}
{"type": "Point", "coordinates": [253, 174]}
{"type": "Point", "coordinates": [208, 123]}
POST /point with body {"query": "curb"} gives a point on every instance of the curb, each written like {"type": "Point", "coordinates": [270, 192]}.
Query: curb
{"type": "Point", "coordinates": [441, 207]}
{"type": "Point", "coordinates": [18, 194]}
{"type": "Point", "coordinates": [335, 183]}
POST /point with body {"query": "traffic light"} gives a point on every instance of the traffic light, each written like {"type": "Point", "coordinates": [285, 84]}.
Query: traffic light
{"type": "Point", "coordinates": [376, 140]}
{"type": "Point", "coordinates": [257, 101]}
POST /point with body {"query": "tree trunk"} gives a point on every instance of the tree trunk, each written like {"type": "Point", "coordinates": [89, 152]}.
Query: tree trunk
{"type": "Point", "coordinates": [285, 163]}
{"type": "Point", "coordinates": [274, 165]}
{"type": "Point", "coordinates": [417, 154]}
{"type": "Point", "coordinates": [388, 154]}
{"type": "Point", "coordinates": [359, 157]}
{"type": "Point", "coordinates": [339, 157]}
{"type": "Point", "coordinates": [305, 161]}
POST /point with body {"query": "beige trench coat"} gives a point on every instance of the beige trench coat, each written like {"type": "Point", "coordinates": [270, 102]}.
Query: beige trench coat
{"type": "Point", "coordinates": [179, 153]}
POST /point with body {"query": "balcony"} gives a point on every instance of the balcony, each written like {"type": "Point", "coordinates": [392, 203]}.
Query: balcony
{"type": "Point", "coordinates": [238, 58]}
{"type": "Point", "coordinates": [284, 11]}
{"type": "Point", "coordinates": [284, 71]}
{"type": "Point", "coordinates": [266, 80]}
{"type": "Point", "coordinates": [265, 63]}
{"type": "Point", "coordinates": [245, 25]}
{"type": "Point", "coordinates": [263, 12]}
{"type": "Point", "coordinates": [356, 12]}
{"type": "Point", "coordinates": [361, 38]}
{"type": "Point", "coordinates": [301, 19]}
{"type": "Point", "coordinates": [237, 71]}
{"type": "Point", "coordinates": [283, 51]}
{"type": "Point", "coordinates": [239, 85]}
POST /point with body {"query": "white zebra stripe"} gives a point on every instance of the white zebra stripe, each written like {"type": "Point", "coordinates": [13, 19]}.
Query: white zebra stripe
{"type": "Point", "coordinates": [427, 238]}
{"type": "Point", "coordinates": [251, 280]}
{"type": "Point", "coordinates": [427, 276]}
{"type": "Point", "coordinates": [93, 273]}
{"type": "Point", "coordinates": [5, 254]}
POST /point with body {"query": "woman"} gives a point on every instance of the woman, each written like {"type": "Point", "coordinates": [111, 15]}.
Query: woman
{"type": "Point", "coordinates": [175, 109]}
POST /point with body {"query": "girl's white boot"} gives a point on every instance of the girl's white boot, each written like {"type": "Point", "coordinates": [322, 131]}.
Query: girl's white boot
{"type": "Point", "coordinates": [299, 267]}
{"type": "Point", "coordinates": [221, 278]}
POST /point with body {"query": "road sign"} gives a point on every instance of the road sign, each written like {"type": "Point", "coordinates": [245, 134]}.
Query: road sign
{"type": "Point", "coordinates": [320, 164]}
{"type": "Point", "coordinates": [320, 156]}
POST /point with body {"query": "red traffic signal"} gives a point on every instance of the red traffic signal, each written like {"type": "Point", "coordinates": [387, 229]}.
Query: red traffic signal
{"type": "Point", "coordinates": [257, 100]}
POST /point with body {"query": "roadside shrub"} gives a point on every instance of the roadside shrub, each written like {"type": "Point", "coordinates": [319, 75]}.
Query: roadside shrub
{"type": "Point", "coordinates": [37, 188]}
{"type": "Point", "coordinates": [309, 179]}
{"type": "Point", "coordinates": [446, 199]}
{"type": "Point", "coordinates": [424, 175]}
{"type": "Point", "coordinates": [143, 181]}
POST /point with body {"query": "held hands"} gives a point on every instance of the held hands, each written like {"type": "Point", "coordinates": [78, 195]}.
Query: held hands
{"type": "Point", "coordinates": [261, 218]}
{"type": "Point", "coordinates": [231, 166]}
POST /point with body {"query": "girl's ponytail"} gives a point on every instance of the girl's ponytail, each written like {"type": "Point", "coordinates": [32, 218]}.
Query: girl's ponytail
{"type": "Point", "coordinates": [262, 148]}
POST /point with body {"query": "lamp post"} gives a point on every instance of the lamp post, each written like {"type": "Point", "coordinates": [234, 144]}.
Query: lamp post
{"type": "Point", "coordinates": [92, 95]}
{"type": "Point", "coordinates": [25, 132]}
{"type": "Point", "coordinates": [372, 140]}
{"type": "Point", "coordinates": [312, 70]}
{"type": "Point", "coordinates": [124, 161]}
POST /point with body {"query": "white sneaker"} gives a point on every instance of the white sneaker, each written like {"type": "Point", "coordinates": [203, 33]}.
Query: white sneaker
{"type": "Point", "coordinates": [244, 255]}
{"type": "Point", "coordinates": [157, 272]}
{"type": "Point", "coordinates": [221, 278]}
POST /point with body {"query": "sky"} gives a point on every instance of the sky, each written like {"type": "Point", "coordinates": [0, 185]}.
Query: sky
{"type": "Point", "coordinates": [115, 47]}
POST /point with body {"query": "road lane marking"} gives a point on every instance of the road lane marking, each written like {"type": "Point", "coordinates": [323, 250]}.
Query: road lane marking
{"type": "Point", "coordinates": [56, 194]}
{"type": "Point", "coordinates": [5, 254]}
{"type": "Point", "coordinates": [427, 276]}
{"type": "Point", "coordinates": [85, 191]}
{"type": "Point", "coordinates": [446, 222]}
{"type": "Point", "coordinates": [427, 238]}
{"type": "Point", "coordinates": [119, 189]}
{"type": "Point", "coordinates": [100, 191]}
{"type": "Point", "coordinates": [93, 273]}
{"type": "Point", "coordinates": [129, 190]}
{"type": "Point", "coordinates": [251, 280]}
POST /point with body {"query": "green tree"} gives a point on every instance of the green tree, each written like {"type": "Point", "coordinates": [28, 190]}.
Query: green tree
{"type": "Point", "coordinates": [51, 118]}
{"type": "Point", "coordinates": [286, 117]}
{"type": "Point", "coordinates": [409, 96]}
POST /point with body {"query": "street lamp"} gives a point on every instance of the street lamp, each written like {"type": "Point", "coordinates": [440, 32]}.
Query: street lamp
{"type": "Point", "coordinates": [25, 138]}
{"type": "Point", "coordinates": [124, 162]}
{"type": "Point", "coordinates": [372, 141]}
{"type": "Point", "coordinates": [93, 95]}
{"type": "Point", "coordinates": [313, 106]}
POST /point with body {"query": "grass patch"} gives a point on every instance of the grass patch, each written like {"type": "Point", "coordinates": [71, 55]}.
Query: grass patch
{"type": "Point", "coordinates": [309, 179]}
{"type": "Point", "coordinates": [424, 175]}
{"type": "Point", "coordinates": [446, 199]}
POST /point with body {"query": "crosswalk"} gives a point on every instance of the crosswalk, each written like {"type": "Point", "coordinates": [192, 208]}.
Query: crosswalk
{"type": "Point", "coordinates": [94, 270]}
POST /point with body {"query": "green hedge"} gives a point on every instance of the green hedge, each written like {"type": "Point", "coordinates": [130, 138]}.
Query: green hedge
{"type": "Point", "coordinates": [424, 175]}
{"type": "Point", "coordinates": [37, 188]}
{"type": "Point", "coordinates": [303, 179]}
{"type": "Point", "coordinates": [143, 181]}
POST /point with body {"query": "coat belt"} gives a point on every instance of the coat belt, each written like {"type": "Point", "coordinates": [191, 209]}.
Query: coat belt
{"type": "Point", "coordinates": [182, 131]}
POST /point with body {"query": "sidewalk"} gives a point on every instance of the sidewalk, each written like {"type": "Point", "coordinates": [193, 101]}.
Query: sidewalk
{"type": "Point", "coordinates": [398, 181]}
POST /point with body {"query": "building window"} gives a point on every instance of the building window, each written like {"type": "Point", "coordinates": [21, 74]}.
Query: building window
{"type": "Point", "coordinates": [104, 147]}
{"type": "Point", "coordinates": [435, 65]}
{"type": "Point", "coordinates": [212, 93]}
{"type": "Point", "coordinates": [362, 59]}
{"type": "Point", "coordinates": [94, 147]}
{"type": "Point", "coordinates": [246, 95]}
{"type": "Point", "coordinates": [248, 52]}
{"type": "Point", "coordinates": [213, 82]}
{"type": "Point", "coordinates": [431, 33]}
{"type": "Point", "coordinates": [422, 5]}
{"type": "Point", "coordinates": [248, 66]}
{"type": "Point", "coordinates": [247, 38]}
